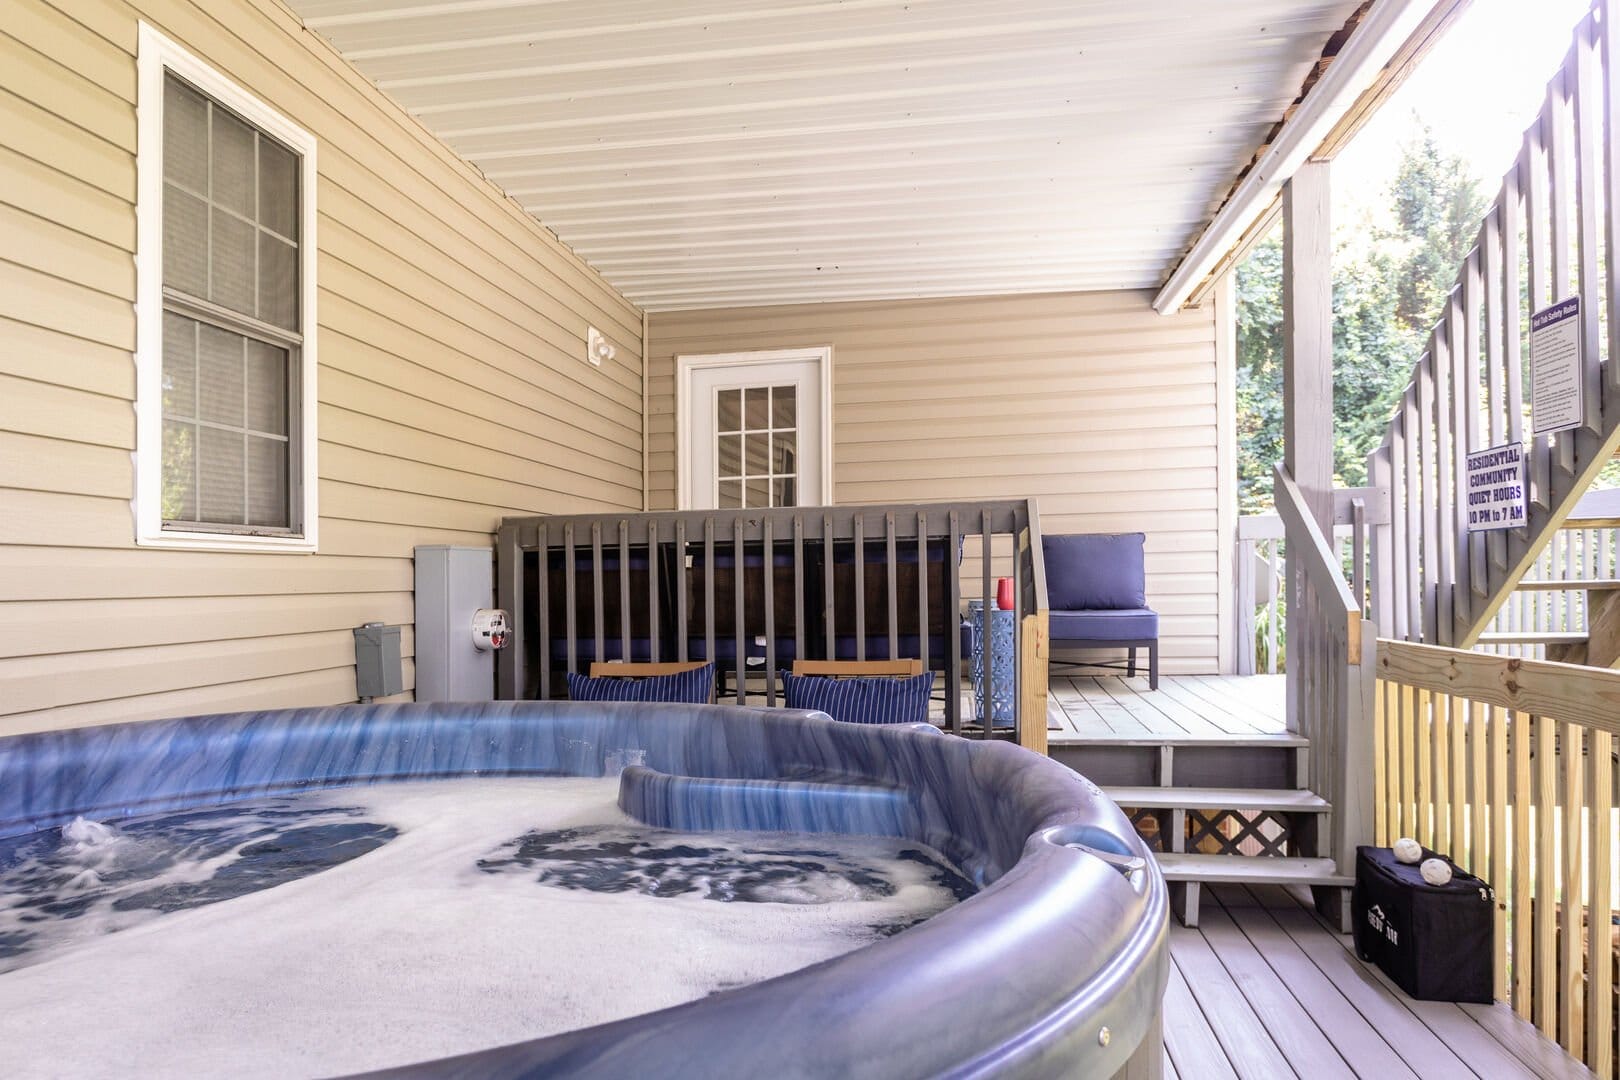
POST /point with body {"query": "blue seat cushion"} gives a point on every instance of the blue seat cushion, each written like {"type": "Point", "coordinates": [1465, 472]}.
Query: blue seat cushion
{"type": "Point", "coordinates": [1125, 624]}
{"type": "Point", "coordinates": [1094, 571]}
{"type": "Point", "coordinates": [862, 700]}
{"type": "Point", "coordinates": [694, 687]}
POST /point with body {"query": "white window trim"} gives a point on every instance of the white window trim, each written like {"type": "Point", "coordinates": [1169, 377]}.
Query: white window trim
{"type": "Point", "coordinates": [687, 366]}
{"type": "Point", "coordinates": [157, 55]}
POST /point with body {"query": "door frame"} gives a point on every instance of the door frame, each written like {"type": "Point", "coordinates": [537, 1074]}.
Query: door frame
{"type": "Point", "coordinates": [687, 366]}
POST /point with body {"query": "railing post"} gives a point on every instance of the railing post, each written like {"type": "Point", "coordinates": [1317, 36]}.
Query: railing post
{"type": "Point", "coordinates": [1307, 401]}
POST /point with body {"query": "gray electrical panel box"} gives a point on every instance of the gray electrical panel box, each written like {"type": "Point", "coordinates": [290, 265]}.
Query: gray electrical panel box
{"type": "Point", "coordinates": [453, 584]}
{"type": "Point", "coordinates": [378, 671]}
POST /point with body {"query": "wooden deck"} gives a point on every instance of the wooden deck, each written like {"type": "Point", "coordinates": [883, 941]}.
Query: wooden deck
{"type": "Point", "coordinates": [1111, 707]}
{"type": "Point", "coordinates": [1265, 989]}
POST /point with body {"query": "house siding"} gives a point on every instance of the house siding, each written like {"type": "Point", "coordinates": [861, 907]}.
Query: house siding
{"type": "Point", "coordinates": [1104, 411]}
{"type": "Point", "coordinates": [453, 387]}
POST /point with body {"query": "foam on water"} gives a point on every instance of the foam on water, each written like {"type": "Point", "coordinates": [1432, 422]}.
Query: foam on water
{"type": "Point", "coordinates": [358, 928]}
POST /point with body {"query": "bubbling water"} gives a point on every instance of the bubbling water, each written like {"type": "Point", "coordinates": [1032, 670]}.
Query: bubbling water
{"type": "Point", "coordinates": [357, 928]}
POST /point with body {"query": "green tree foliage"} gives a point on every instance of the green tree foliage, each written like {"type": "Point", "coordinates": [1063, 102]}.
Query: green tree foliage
{"type": "Point", "coordinates": [1390, 284]}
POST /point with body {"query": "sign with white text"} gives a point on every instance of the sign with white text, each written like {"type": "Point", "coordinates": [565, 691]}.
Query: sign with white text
{"type": "Point", "coordinates": [1556, 399]}
{"type": "Point", "coordinates": [1496, 488]}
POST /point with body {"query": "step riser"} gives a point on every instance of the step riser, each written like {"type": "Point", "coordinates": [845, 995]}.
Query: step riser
{"type": "Point", "coordinates": [1215, 765]}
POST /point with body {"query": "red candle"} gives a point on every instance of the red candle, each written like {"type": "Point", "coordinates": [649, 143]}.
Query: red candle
{"type": "Point", "coordinates": [1004, 594]}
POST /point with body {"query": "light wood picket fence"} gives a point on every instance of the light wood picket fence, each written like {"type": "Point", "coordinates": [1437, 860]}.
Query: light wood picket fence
{"type": "Point", "coordinates": [1508, 765]}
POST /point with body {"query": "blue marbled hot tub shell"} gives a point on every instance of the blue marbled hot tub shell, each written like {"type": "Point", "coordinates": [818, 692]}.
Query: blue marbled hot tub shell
{"type": "Point", "coordinates": [1066, 935]}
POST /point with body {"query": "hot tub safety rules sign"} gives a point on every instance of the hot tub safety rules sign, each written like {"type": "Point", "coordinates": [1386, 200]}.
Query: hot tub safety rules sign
{"type": "Point", "coordinates": [1496, 488]}
{"type": "Point", "coordinates": [1556, 400]}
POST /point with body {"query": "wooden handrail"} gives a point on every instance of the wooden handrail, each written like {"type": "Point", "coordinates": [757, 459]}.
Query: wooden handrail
{"type": "Point", "coordinates": [1569, 692]}
{"type": "Point", "coordinates": [1317, 557]}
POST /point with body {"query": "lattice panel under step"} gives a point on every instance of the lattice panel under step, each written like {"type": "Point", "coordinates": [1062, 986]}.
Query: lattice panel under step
{"type": "Point", "coordinates": [1220, 832]}
{"type": "Point", "coordinates": [1232, 832]}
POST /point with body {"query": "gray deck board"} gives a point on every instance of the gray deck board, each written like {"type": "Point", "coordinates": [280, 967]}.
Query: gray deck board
{"type": "Point", "coordinates": [1081, 707]}
{"type": "Point", "coordinates": [1357, 1041]}
{"type": "Point", "coordinates": [1274, 1002]}
{"type": "Point", "coordinates": [1242, 1036]}
{"type": "Point", "coordinates": [1188, 1038]}
{"type": "Point", "coordinates": [1266, 988]}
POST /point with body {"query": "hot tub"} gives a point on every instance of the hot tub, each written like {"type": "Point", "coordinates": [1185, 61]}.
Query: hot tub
{"type": "Point", "coordinates": [1055, 966]}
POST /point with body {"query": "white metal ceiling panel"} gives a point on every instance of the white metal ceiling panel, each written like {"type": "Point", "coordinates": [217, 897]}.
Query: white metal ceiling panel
{"type": "Point", "coordinates": [706, 153]}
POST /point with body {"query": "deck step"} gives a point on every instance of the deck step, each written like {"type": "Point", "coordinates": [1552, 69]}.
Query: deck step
{"type": "Point", "coordinates": [1258, 739]}
{"type": "Point", "coordinates": [1199, 798]}
{"type": "Point", "coordinates": [1250, 869]}
{"type": "Point", "coordinates": [1569, 584]}
{"type": "Point", "coordinates": [1533, 637]}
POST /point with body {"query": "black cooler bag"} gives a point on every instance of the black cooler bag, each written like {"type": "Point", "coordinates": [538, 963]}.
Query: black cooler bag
{"type": "Point", "coordinates": [1433, 940]}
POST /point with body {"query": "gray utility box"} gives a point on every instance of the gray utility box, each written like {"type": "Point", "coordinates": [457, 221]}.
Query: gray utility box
{"type": "Point", "coordinates": [378, 671]}
{"type": "Point", "coordinates": [452, 583]}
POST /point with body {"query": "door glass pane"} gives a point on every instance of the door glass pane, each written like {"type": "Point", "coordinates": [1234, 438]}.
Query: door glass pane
{"type": "Point", "coordinates": [728, 455]}
{"type": "Point", "coordinates": [758, 407]}
{"type": "Point", "coordinates": [759, 493]}
{"type": "Point", "coordinates": [758, 450]}
{"type": "Point", "coordinates": [784, 458]}
{"type": "Point", "coordinates": [782, 492]}
{"type": "Point", "coordinates": [728, 411]}
{"type": "Point", "coordinates": [730, 494]}
{"type": "Point", "coordinates": [784, 406]}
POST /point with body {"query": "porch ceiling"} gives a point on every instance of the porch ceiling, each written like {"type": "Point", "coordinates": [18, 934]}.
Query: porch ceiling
{"type": "Point", "coordinates": [705, 153]}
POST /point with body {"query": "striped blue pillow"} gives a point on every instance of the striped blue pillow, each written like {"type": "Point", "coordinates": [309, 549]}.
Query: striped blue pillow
{"type": "Point", "coordinates": [862, 700]}
{"type": "Point", "coordinates": [695, 687]}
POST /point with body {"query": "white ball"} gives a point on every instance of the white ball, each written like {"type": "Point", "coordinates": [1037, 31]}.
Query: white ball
{"type": "Point", "coordinates": [1436, 871]}
{"type": "Point", "coordinates": [1408, 850]}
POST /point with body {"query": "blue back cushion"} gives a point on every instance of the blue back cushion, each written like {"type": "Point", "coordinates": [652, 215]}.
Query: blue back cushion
{"type": "Point", "coordinates": [695, 687]}
{"type": "Point", "coordinates": [863, 700]}
{"type": "Point", "coordinates": [1094, 571]}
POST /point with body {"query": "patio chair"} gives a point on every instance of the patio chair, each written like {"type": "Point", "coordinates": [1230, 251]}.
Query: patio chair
{"type": "Point", "coordinates": [861, 691]}
{"type": "Point", "coordinates": [1096, 591]}
{"type": "Point", "coordinates": [690, 682]}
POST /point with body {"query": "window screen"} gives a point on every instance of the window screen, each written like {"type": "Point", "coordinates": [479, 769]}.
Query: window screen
{"type": "Point", "coordinates": [231, 330]}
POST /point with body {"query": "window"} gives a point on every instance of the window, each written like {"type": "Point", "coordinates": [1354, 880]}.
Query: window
{"type": "Point", "coordinates": [225, 353]}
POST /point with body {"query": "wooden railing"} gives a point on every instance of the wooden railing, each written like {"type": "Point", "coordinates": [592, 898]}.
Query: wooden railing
{"type": "Point", "coordinates": [1329, 695]}
{"type": "Point", "coordinates": [1551, 233]}
{"type": "Point", "coordinates": [756, 589]}
{"type": "Point", "coordinates": [1508, 766]}
{"type": "Point", "coordinates": [1572, 555]}
{"type": "Point", "coordinates": [1260, 576]}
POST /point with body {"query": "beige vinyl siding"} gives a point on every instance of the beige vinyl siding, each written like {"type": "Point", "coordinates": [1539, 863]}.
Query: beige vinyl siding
{"type": "Point", "coordinates": [453, 384]}
{"type": "Point", "coordinates": [1100, 408]}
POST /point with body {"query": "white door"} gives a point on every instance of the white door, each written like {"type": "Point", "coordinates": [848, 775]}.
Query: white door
{"type": "Point", "coordinates": [754, 429]}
